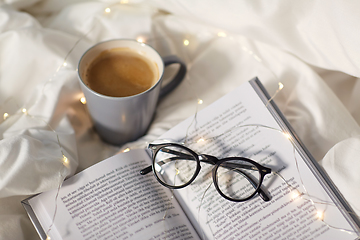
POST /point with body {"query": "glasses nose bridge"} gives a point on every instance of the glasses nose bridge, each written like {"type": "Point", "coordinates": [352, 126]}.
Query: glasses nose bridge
{"type": "Point", "coordinates": [208, 159]}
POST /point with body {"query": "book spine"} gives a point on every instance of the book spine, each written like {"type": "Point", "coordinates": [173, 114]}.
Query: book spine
{"type": "Point", "coordinates": [314, 166]}
{"type": "Point", "coordinates": [30, 212]}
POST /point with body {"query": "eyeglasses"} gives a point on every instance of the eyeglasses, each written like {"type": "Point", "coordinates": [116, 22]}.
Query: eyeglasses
{"type": "Point", "coordinates": [235, 178]}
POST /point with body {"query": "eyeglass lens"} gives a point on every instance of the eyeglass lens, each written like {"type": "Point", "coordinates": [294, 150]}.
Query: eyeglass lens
{"type": "Point", "coordinates": [175, 166]}
{"type": "Point", "coordinates": [237, 179]}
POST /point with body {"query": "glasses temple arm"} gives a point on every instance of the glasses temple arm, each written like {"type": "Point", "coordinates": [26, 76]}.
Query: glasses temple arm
{"type": "Point", "coordinates": [177, 153]}
{"type": "Point", "coordinates": [146, 170]}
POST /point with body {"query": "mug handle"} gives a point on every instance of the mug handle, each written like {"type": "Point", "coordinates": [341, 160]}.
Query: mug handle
{"type": "Point", "coordinates": [178, 77]}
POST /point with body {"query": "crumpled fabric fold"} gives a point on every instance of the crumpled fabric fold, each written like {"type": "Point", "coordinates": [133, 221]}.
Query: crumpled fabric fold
{"type": "Point", "coordinates": [309, 46]}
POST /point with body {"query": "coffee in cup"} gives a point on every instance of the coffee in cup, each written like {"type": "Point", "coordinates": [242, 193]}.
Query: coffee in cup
{"type": "Point", "coordinates": [121, 72]}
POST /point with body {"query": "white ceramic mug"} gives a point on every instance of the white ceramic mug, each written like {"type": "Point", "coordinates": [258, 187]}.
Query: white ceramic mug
{"type": "Point", "coordinates": [122, 119]}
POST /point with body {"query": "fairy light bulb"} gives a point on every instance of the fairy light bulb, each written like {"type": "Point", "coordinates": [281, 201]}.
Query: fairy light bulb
{"type": "Point", "coordinates": [126, 150]}
{"type": "Point", "coordinates": [107, 10]}
{"type": "Point", "coordinates": [65, 161]}
{"type": "Point", "coordinates": [287, 135]}
{"type": "Point", "coordinates": [65, 64]}
{"type": "Point", "coordinates": [295, 195]}
{"type": "Point", "coordinates": [5, 116]}
{"type": "Point", "coordinates": [201, 140]}
{"type": "Point", "coordinates": [83, 100]}
{"type": "Point", "coordinates": [186, 42]}
{"type": "Point", "coordinates": [48, 237]}
{"type": "Point", "coordinates": [140, 39]}
{"type": "Point", "coordinates": [281, 86]}
{"type": "Point", "coordinates": [320, 215]}
{"type": "Point", "coordinates": [200, 101]}
{"type": "Point", "coordinates": [221, 34]}
{"type": "Point", "coordinates": [24, 110]}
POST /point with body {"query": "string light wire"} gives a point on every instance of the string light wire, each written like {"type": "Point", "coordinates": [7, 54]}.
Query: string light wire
{"type": "Point", "coordinates": [186, 43]}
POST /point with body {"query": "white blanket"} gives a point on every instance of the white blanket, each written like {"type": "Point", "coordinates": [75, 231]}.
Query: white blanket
{"type": "Point", "coordinates": [312, 47]}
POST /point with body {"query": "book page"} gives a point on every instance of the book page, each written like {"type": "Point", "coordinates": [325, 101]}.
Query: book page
{"type": "Point", "coordinates": [111, 200]}
{"type": "Point", "coordinates": [239, 124]}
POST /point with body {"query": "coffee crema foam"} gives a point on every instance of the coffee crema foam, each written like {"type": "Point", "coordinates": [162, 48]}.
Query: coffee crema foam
{"type": "Point", "coordinates": [121, 72]}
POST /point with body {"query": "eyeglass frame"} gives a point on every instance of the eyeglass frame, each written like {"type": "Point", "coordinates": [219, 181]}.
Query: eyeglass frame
{"type": "Point", "coordinates": [154, 148]}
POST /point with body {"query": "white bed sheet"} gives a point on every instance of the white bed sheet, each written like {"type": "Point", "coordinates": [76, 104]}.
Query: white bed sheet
{"type": "Point", "coordinates": [312, 47]}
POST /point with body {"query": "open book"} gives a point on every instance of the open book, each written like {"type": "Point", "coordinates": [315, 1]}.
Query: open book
{"type": "Point", "coordinates": [111, 200]}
